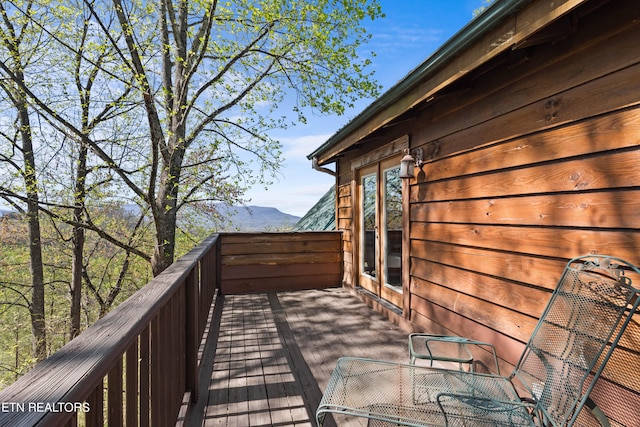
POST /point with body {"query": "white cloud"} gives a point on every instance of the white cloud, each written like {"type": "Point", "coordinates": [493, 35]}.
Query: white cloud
{"type": "Point", "coordinates": [298, 148]}
{"type": "Point", "coordinates": [299, 186]}
{"type": "Point", "coordinates": [294, 195]}
{"type": "Point", "coordinates": [402, 38]}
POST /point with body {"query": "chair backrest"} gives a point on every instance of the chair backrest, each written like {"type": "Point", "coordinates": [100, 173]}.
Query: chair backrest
{"type": "Point", "coordinates": [579, 329]}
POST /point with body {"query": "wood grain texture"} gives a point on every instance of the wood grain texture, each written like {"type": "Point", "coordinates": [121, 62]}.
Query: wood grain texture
{"type": "Point", "coordinates": [258, 262]}
{"type": "Point", "coordinates": [531, 160]}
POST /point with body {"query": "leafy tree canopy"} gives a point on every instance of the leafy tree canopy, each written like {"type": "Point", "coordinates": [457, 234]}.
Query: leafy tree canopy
{"type": "Point", "coordinates": [179, 98]}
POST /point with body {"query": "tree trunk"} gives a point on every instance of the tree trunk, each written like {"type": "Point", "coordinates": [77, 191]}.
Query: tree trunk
{"type": "Point", "coordinates": [165, 247]}
{"type": "Point", "coordinates": [78, 245]}
{"type": "Point", "coordinates": [166, 217]}
{"type": "Point", "coordinates": [165, 221]}
{"type": "Point", "coordinates": [37, 281]}
{"type": "Point", "coordinates": [35, 242]}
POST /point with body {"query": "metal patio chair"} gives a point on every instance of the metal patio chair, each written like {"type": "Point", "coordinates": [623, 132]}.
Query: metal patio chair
{"type": "Point", "coordinates": [576, 335]}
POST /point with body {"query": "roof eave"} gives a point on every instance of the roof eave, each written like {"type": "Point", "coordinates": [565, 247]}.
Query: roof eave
{"type": "Point", "coordinates": [469, 34]}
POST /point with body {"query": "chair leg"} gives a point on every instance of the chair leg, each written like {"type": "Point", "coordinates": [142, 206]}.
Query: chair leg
{"type": "Point", "coordinates": [597, 412]}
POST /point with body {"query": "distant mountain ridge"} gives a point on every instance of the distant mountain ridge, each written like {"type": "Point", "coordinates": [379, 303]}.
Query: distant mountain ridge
{"type": "Point", "coordinates": [240, 218]}
{"type": "Point", "coordinates": [7, 212]}
{"type": "Point", "coordinates": [256, 218]}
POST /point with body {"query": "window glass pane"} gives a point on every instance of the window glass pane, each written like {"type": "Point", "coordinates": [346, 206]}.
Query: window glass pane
{"type": "Point", "coordinates": [369, 184]}
{"type": "Point", "coordinates": [393, 227]}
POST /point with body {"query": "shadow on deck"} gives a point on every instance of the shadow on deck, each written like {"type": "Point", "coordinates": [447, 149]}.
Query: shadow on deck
{"type": "Point", "coordinates": [271, 354]}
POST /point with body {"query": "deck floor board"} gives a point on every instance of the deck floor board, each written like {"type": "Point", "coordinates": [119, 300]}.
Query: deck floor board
{"type": "Point", "coordinates": [274, 353]}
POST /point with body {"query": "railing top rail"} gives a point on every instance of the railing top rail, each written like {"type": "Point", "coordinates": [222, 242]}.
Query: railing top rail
{"type": "Point", "coordinates": [63, 376]}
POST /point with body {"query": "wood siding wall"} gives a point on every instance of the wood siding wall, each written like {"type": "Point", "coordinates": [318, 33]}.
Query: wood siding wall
{"type": "Point", "coordinates": [345, 224]}
{"type": "Point", "coordinates": [258, 262]}
{"type": "Point", "coordinates": [535, 164]}
{"type": "Point", "coordinates": [532, 160]}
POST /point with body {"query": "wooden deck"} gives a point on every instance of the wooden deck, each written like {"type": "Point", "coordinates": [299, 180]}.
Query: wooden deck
{"type": "Point", "coordinates": [271, 354]}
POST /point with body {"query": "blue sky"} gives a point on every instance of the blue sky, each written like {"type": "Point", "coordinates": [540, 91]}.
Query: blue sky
{"type": "Point", "coordinates": [411, 31]}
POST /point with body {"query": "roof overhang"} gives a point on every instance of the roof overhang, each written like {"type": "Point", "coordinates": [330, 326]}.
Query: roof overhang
{"type": "Point", "coordinates": [502, 26]}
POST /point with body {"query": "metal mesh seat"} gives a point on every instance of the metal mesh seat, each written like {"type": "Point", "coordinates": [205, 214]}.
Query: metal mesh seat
{"type": "Point", "coordinates": [585, 318]}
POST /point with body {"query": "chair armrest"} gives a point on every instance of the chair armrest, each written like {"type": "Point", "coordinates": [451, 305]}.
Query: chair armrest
{"type": "Point", "coordinates": [435, 347]}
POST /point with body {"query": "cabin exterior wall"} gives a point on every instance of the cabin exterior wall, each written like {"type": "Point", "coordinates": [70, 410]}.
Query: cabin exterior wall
{"type": "Point", "coordinates": [531, 159]}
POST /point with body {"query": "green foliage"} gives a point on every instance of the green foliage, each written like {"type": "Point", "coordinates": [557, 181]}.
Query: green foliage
{"type": "Point", "coordinates": [104, 265]}
{"type": "Point", "coordinates": [167, 106]}
{"type": "Point", "coordinates": [482, 8]}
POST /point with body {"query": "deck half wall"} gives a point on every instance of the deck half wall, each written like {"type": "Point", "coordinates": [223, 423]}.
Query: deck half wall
{"type": "Point", "coordinates": [258, 262]}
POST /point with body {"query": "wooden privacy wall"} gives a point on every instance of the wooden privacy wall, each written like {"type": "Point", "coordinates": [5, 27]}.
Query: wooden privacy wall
{"type": "Point", "coordinates": [535, 163]}
{"type": "Point", "coordinates": [259, 262]}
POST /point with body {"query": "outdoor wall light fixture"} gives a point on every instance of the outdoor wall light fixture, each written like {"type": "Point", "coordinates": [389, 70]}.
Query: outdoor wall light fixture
{"type": "Point", "coordinates": [411, 158]}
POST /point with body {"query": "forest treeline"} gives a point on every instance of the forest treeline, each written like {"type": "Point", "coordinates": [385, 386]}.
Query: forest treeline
{"type": "Point", "coordinates": [123, 122]}
{"type": "Point", "coordinates": [110, 275]}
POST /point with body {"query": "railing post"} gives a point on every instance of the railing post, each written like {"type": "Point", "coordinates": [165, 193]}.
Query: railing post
{"type": "Point", "coordinates": [192, 313]}
{"type": "Point", "coordinates": [114, 394]}
{"type": "Point", "coordinates": [132, 385]}
{"type": "Point", "coordinates": [158, 372]}
{"type": "Point", "coordinates": [145, 376]}
{"type": "Point", "coordinates": [95, 417]}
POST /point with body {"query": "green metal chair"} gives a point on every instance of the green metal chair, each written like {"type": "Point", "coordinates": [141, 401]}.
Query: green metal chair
{"type": "Point", "coordinates": [566, 354]}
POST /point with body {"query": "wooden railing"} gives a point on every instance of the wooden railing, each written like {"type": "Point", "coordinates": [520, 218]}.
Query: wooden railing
{"type": "Point", "coordinates": [139, 365]}
{"type": "Point", "coordinates": [258, 262]}
{"type": "Point", "coordinates": [146, 349]}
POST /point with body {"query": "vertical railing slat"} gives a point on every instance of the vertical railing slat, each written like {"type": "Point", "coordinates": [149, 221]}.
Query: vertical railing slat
{"type": "Point", "coordinates": [145, 371]}
{"type": "Point", "coordinates": [176, 363]}
{"type": "Point", "coordinates": [192, 313]}
{"type": "Point", "coordinates": [156, 371]}
{"type": "Point", "coordinates": [114, 394]}
{"type": "Point", "coordinates": [131, 385]}
{"type": "Point", "coordinates": [201, 288]}
{"type": "Point", "coordinates": [95, 417]}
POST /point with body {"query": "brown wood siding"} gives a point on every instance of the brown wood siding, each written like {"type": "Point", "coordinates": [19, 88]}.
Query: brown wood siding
{"type": "Point", "coordinates": [534, 165]}
{"type": "Point", "coordinates": [345, 223]}
{"type": "Point", "coordinates": [528, 163]}
{"type": "Point", "coordinates": [258, 262]}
